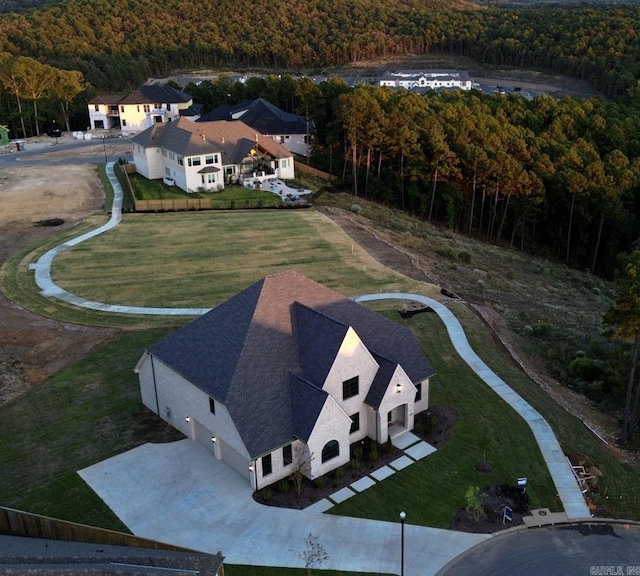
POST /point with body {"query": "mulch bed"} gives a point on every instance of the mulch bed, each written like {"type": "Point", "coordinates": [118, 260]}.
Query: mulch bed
{"type": "Point", "coordinates": [283, 494]}
{"type": "Point", "coordinates": [490, 519]}
{"type": "Point", "coordinates": [431, 426]}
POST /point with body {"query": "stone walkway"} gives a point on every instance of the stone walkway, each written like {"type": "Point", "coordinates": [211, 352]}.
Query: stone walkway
{"type": "Point", "coordinates": [414, 449]}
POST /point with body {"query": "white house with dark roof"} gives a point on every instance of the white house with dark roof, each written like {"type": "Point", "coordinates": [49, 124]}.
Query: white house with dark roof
{"type": "Point", "coordinates": [139, 110]}
{"type": "Point", "coordinates": [287, 374]}
{"type": "Point", "coordinates": [290, 130]}
{"type": "Point", "coordinates": [208, 155]}
{"type": "Point", "coordinates": [427, 80]}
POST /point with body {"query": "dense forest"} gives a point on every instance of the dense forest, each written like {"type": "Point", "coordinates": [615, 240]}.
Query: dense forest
{"type": "Point", "coordinates": [117, 43]}
{"type": "Point", "coordinates": [534, 175]}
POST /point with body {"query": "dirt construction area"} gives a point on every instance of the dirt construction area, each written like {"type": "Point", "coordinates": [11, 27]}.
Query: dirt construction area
{"type": "Point", "coordinates": [33, 348]}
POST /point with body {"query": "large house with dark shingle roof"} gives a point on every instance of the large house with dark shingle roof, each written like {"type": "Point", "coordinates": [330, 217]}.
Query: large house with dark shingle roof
{"type": "Point", "coordinates": [286, 375]}
{"type": "Point", "coordinates": [291, 130]}
{"type": "Point", "coordinates": [148, 105]}
{"type": "Point", "coordinates": [208, 155]}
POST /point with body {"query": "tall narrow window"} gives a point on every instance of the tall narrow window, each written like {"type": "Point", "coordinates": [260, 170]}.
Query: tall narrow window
{"type": "Point", "coordinates": [266, 465]}
{"type": "Point", "coordinates": [350, 387]}
{"type": "Point", "coordinates": [287, 455]}
{"type": "Point", "coordinates": [212, 406]}
{"type": "Point", "coordinates": [355, 423]}
{"type": "Point", "coordinates": [418, 391]}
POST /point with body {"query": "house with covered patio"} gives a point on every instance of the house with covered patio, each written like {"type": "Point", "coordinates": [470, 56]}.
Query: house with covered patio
{"type": "Point", "coordinates": [286, 376]}
{"type": "Point", "coordinates": [209, 155]}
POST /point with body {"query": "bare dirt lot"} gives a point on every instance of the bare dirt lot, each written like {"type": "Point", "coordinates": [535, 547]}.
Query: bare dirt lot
{"type": "Point", "coordinates": [33, 348]}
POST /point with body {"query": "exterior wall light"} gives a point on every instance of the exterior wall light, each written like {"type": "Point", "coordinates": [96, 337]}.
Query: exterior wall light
{"type": "Point", "coordinates": [187, 418]}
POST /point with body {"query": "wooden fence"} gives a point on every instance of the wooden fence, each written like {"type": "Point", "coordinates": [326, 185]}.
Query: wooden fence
{"type": "Point", "coordinates": [301, 167]}
{"type": "Point", "coordinates": [172, 205]}
{"type": "Point", "coordinates": [18, 523]}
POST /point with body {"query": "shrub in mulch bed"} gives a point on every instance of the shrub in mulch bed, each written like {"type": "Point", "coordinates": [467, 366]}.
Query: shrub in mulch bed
{"type": "Point", "coordinates": [366, 457]}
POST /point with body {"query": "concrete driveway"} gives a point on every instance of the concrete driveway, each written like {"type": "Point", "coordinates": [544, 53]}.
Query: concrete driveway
{"type": "Point", "coordinates": [178, 493]}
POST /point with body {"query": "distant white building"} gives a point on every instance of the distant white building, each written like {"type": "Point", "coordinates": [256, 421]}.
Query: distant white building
{"type": "Point", "coordinates": [431, 80]}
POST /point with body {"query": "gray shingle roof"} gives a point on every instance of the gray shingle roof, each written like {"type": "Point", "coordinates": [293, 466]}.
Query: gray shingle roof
{"type": "Point", "coordinates": [244, 352]}
{"type": "Point", "coordinates": [234, 140]}
{"type": "Point", "coordinates": [307, 402]}
{"type": "Point", "coordinates": [261, 115]}
{"type": "Point", "coordinates": [156, 94]}
{"type": "Point", "coordinates": [381, 381]}
{"type": "Point", "coordinates": [319, 339]}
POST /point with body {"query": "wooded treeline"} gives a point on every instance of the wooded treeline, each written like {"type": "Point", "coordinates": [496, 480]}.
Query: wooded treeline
{"type": "Point", "coordinates": [558, 177]}
{"type": "Point", "coordinates": [554, 177]}
{"type": "Point", "coordinates": [117, 43]}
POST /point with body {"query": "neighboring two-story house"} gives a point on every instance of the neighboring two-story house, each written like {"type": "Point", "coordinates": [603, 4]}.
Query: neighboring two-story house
{"type": "Point", "coordinates": [148, 105]}
{"type": "Point", "coordinates": [286, 375]}
{"type": "Point", "coordinates": [291, 130]}
{"type": "Point", "coordinates": [208, 155]}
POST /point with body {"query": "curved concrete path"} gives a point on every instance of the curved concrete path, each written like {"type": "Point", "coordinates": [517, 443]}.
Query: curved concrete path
{"type": "Point", "coordinates": [49, 288]}
{"type": "Point", "coordinates": [570, 494]}
{"type": "Point", "coordinates": [568, 489]}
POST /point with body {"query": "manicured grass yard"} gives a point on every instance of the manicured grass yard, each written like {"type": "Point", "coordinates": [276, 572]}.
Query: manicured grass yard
{"type": "Point", "coordinates": [232, 195]}
{"type": "Point", "coordinates": [196, 259]}
{"type": "Point", "coordinates": [619, 495]}
{"type": "Point", "coordinates": [81, 416]}
{"type": "Point", "coordinates": [431, 490]}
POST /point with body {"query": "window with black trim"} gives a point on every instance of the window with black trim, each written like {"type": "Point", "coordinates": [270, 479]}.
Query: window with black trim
{"type": "Point", "coordinates": [330, 451]}
{"type": "Point", "coordinates": [287, 454]}
{"type": "Point", "coordinates": [212, 405]}
{"type": "Point", "coordinates": [355, 423]}
{"type": "Point", "coordinates": [418, 391]}
{"type": "Point", "coordinates": [350, 387]}
{"type": "Point", "coordinates": [266, 465]}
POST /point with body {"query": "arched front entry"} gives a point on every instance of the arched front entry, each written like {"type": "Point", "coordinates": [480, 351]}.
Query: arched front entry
{"type": "Point", "coordinates": [397, 420]}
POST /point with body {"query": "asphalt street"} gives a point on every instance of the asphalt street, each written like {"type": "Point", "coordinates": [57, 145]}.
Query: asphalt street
{"type": "Point", "coordinates": [575, 550]}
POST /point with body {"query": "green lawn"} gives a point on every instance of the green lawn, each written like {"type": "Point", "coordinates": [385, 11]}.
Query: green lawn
{"type": "Point", "coordinates": [619, 494]}
{"type": "Point", "coordinates": [81, 416]}
{"type": "Point", "coordinates": [431, 490]}
{"type": "Point", "coordinates": [195, 259]}
{"type": "Point", "coordinates": [232, 196]}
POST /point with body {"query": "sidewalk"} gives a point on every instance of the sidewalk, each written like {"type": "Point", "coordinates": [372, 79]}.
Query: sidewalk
{"type": "Point", "coordinates": [570, 494]}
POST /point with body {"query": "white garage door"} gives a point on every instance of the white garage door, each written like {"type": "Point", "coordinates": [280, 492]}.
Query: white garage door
{"type": "Point", "coordinates": [203, 435]}
{"type": "Point", "coordinates": [236, 460]}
